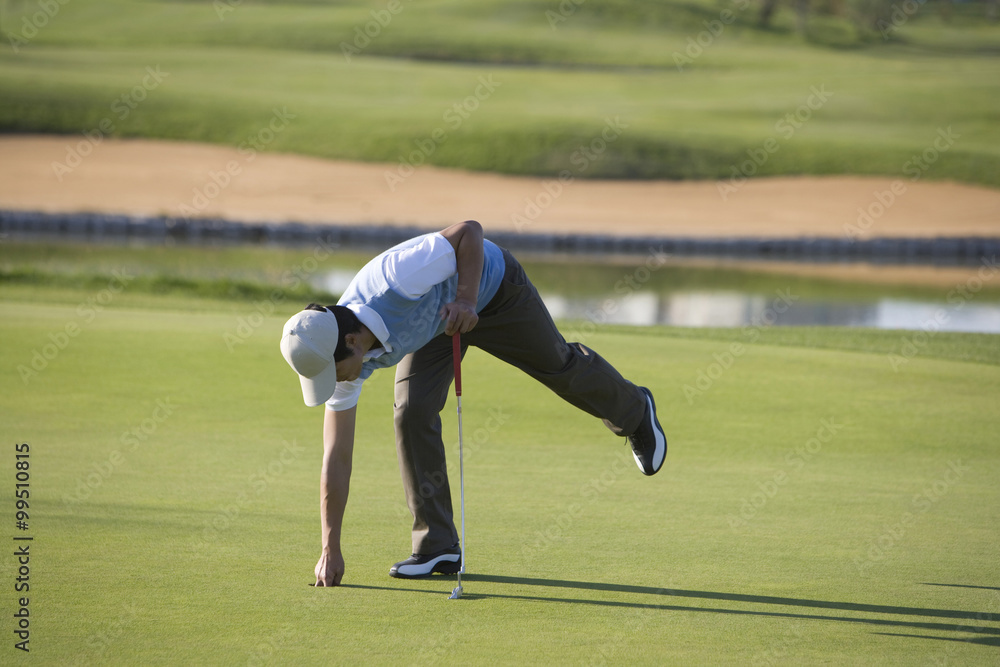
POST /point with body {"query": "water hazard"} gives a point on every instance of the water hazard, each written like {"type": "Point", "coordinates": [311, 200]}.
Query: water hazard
{"type": "Point", "coordinates": [699, 297]}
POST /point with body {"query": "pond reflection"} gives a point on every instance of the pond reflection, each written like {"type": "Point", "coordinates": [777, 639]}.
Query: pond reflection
{"type": "Point", "coordinates": [659, 302]}
{"type": "Point", "coordinates": [732, 309]}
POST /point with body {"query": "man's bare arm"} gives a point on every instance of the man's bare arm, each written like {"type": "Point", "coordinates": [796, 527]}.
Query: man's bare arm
{"type": "Point", "coordinates": [334, 484]}
{"type": "Point", "coordinates": [467, 240]}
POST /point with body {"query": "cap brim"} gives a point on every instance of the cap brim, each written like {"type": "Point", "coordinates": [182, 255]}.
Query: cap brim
{"type": "Point", "coordinates": [319, 388]}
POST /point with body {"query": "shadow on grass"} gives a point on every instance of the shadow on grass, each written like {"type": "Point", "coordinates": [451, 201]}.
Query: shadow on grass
{"type": "Point", "coordinates": [731, 597]}
{"type": "Point", "coordinates": [734, 597]}
{"type": "Point", "coordinates": [985, 588]}
{"type": "Point", "coordinates": [982, 641]}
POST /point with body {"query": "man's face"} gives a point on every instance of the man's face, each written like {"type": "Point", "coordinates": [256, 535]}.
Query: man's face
{"type": "Point", "coordinates": [350, 368]}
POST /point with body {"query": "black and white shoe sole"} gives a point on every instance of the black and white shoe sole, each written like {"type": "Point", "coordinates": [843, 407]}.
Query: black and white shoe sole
{"type": "Point", "coordinates": [444, 564]}
{"type": "Point", "coordinates": [660, 451]}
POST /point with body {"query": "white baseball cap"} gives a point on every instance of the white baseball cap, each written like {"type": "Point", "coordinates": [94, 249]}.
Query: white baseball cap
{"type": "Point", "coordinates": [308, 342]}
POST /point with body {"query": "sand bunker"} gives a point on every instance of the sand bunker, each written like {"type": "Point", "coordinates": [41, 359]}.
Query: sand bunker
{"type": "Point", "coordinates": [141, 177]}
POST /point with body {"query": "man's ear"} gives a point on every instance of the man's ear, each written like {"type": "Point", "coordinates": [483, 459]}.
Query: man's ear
{"type": "Point", "coordinates": [351, 341]}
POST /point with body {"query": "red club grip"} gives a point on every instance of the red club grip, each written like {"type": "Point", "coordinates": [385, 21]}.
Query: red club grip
{"type": "Point", "coordinates": [456, 348]}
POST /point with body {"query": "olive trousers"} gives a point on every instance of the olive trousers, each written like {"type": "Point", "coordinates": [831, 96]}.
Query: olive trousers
{"type": "Point", "coordinates": [515, 327]}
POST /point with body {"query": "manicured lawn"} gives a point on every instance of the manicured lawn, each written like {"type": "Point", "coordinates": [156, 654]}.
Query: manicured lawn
{"type": "Point", "coordinates": [817, 506]}
{"type": "Point", "coordinates": [531, 99]}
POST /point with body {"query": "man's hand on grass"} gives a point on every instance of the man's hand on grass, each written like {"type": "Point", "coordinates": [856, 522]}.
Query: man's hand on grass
{"type": "Point", "coordinates": [329, 569]}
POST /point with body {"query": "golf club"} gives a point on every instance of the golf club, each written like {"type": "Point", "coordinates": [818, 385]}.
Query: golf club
{"type": "Point", "coordinates": [456, 342]}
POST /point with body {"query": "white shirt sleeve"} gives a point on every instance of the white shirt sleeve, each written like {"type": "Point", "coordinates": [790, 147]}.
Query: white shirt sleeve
{"type": "Point", "coordinates": [414, 270]}
{"type": "Point", "coordinates": [411, 271]}
{"type": "Point", "coordinates": [345, 396]}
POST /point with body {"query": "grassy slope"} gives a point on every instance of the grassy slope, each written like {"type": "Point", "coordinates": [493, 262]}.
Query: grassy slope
{"type": "Point", "coordinates": [571, 558]}
{"type": "Point", "coordinates": [226, 76]}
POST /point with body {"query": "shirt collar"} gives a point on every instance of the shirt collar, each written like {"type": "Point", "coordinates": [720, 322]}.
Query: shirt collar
{"type": "Point", "coordinates": [373, 321]}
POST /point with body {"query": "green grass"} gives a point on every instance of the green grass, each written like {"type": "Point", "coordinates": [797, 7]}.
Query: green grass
{"type": "Point", "coordinates": [556, 86]}
{"type": "Point", "coordinates": [195, 544]}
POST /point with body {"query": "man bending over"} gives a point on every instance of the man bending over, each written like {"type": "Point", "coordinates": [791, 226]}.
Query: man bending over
{"type": "Point", "coordinates": [401, 310]}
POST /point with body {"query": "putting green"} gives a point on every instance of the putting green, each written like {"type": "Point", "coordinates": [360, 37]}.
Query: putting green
{"type": "Point", "coordinates": [817, 506]}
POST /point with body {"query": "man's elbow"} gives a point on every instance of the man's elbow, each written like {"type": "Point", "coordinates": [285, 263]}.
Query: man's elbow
{"type": "Point", "coordinates": [469, 233]}
{"type": "Point", "coordinates": [473, 227]}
